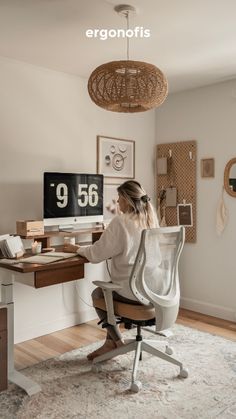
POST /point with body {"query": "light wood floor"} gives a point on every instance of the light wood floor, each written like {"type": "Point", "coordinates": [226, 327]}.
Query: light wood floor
{"type": "Point", "coordinates": [33, 351]}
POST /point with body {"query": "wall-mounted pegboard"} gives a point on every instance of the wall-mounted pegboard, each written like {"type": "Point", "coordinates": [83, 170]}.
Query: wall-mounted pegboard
{"type": "Point", "coordinates": [181, 174]}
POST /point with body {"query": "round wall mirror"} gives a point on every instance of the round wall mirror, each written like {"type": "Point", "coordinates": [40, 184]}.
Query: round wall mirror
{"type": "Point", "coordinates": [230, 177]}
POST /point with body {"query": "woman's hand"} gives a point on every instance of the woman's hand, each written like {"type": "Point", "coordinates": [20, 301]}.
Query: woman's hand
{"type": "Point", "coordinates": [70, 248]}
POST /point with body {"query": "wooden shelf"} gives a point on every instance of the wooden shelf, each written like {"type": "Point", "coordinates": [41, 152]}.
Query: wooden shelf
{"type": "Point", "coordinates": [45, 239]}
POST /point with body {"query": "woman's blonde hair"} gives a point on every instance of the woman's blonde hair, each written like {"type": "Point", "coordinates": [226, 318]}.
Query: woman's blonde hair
{"type": "Point", "coordinates": [139, 205]}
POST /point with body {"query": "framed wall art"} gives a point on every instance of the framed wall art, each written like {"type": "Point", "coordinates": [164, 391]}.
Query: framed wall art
{"type": "Point", "coordinates": [185, 215]}
{"type": "Point", "coordinates": [207, 167]}
{"type": "Point", "coordinates": [115, 157]}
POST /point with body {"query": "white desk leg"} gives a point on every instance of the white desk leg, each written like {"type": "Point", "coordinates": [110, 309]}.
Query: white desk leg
{"type": "Point", "coordinates": [14, 376]}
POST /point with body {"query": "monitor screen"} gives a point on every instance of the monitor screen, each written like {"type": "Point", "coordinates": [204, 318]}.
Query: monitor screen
{"type": "Point", "coordinates": [71, 198]}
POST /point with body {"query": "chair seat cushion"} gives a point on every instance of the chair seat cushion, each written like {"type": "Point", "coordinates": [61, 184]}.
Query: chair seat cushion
{"type": "Point", "coordinates": [129, 311]}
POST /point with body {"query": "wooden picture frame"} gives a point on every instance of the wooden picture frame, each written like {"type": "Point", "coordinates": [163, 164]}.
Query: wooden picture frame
{"type": "Point", "coordinates": [115, 157]}
{"type": "Point", "coordinates": [230, 177]}
{"type": "Point", "coordinates": [208, 167]}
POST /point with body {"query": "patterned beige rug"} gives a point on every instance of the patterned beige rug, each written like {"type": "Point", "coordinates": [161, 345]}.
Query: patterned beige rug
{"type": "Point", "coordinates": [71, 390]}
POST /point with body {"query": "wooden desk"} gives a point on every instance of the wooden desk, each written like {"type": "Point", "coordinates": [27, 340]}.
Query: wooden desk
{"type": "Point", "coordinates": [44, 275]}
{"type": "Point", "coordinates": [51, 273]}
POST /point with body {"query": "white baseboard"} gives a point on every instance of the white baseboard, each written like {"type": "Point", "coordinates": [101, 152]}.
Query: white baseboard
{"type": "Point", "coordinates": [209, 309]}
{"type": "Point", "coordinates": [70, 320]}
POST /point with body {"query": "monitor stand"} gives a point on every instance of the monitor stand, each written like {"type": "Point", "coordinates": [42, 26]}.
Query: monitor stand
{"type": "Point", "coordinates": [70, 228]}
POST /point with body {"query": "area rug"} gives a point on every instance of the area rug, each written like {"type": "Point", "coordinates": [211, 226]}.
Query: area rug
{"type": "Point", "coordinates": [70, 390]}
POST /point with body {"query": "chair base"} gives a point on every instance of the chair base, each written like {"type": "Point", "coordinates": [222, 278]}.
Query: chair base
{"type": "Point", "coordinates": [138, 346]}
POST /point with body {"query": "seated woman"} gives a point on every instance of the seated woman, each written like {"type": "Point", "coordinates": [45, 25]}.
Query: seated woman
{"type": "Point", "coordinates": [120, 242]}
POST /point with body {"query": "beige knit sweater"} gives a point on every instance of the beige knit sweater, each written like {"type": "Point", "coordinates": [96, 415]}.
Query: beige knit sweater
{"type": "Point", "coordinates": [120, 242]}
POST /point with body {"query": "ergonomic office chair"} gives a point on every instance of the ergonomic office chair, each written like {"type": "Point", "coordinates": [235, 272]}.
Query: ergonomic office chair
{"type": "Point", "coordinates": [160, 250]}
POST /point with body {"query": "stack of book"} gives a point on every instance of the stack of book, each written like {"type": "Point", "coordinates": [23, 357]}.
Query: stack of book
{"type": "Point", "coordinates": [11, 246]}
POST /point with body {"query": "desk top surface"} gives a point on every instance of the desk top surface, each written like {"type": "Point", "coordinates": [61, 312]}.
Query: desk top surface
{"type": "Point", "coordinates": [35, 267]}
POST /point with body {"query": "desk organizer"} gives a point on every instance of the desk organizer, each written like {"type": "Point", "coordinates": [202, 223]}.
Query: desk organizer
{"type": "Point", "coordinates": [29, 228]}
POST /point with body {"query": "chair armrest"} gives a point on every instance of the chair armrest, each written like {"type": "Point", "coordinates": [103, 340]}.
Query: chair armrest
{"type": "Point", "coordinates": [107, 288]}
{"type": "Point", "coordinates": [107, 285]}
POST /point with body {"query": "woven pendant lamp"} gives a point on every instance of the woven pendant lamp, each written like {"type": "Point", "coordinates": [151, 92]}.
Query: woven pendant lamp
{"type": "Point", "coordinates": [127, 86]}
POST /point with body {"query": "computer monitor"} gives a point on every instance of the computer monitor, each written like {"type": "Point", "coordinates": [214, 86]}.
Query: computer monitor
{"type": "Point", "coordinates": [72, 198]}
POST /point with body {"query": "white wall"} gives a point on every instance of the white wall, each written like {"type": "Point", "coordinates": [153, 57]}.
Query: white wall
{"type": "Point", "coordinates": [48, 123]}
{"type": "Point", "coordinates": [207, 270]}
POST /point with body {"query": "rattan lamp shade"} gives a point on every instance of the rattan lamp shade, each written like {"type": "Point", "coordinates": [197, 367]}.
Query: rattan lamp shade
{"type": "Point", "coordinates": [127, 86]}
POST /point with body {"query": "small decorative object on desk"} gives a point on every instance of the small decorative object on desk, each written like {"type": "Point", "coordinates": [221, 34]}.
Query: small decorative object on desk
{"type": "Point", "coordinates": [69, 240]}
{"type": "Point", "coordinates": [36, 247]}
{"type": "Point", "coordinates": [48, 249]}
{"type": "Point", "coordinates": [11, 246]}
{"type": "Point", "coordinates": [29, 228]}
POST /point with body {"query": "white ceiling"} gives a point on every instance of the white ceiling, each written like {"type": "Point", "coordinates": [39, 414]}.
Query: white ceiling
{"type": "Point", "coordinates": [192, 41]}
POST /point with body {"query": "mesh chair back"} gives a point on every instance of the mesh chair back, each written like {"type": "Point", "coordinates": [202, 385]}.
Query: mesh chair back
{"type": "Point", "coordinates": [154, 279]}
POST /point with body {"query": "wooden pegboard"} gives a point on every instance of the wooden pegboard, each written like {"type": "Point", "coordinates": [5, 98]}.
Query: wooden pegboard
{"type": "Point", "coordinates": [183, 177]}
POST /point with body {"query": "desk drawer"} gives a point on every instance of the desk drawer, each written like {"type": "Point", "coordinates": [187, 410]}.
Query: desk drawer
{"type": "Point", "coordinates": [58, 276]}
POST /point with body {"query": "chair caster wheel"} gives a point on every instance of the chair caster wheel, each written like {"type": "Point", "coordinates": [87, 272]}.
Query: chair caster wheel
{"type": "Point", "coordinates": [96, 368]}
{"type": "Point", "coordinates": [183, 373]}
{"type": "Point", "coordinates": [169, 350]}
{"type": "Point", "coordinates": [136, 386]}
